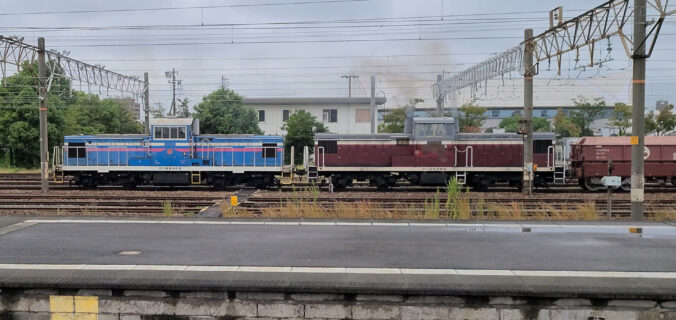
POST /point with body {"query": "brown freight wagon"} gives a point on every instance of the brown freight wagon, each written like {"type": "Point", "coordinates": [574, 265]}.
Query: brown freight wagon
{"type": "Point", "coordinates": [589, 160]}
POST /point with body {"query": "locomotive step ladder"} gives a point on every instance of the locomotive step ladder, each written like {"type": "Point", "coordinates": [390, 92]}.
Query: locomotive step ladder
{"type": "Point", "coordinates": [461, 177]}
{"type": "Point", "coordinates": [196, 177]}
{"type": "Point", "coordinates": [287, 174]}
{"type": "Point", "coordinates": [559, 175]}
{"type": "Point", "coordinates": [312, 173]}
{"type": "Point", "coordinates": [57, 165]}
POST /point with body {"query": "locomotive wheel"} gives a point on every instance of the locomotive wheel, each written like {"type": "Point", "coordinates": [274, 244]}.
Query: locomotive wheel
{"type": "Point", "coordinates": [588, 185]}
{"type": "Point", "coordinates": [626, 184]}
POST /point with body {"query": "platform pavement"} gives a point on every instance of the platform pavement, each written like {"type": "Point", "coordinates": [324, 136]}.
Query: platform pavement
{"type": "Point", "coordinates": [551, 259]}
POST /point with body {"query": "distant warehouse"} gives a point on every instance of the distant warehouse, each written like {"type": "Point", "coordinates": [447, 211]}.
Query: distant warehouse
{"type": "Point", "coordinates": [340, 115]}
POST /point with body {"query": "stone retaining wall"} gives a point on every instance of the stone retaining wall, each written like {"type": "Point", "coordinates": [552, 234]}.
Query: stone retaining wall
{"type": "Point", "coordinates": [51, 304]}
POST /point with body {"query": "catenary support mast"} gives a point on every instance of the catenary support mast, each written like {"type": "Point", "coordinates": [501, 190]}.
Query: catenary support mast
{"type": "Point", "coordinates": [638, 112]}
{"type": "Point", "coordinates": [42, 97]}
{"type": "Point", "coordinates": [528, 114]}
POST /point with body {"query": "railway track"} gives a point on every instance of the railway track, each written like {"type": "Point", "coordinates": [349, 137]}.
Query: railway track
{"type": "Point", "coordinates": [105, 204]}
{"type": "Point", "coordinates": [31, 181]}
{"type": "Point", "coordinates": [621, 208]}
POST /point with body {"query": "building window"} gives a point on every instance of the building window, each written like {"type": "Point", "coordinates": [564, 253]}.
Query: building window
{"type": "Point", "coordinates": [269, 150]}
{"type": "Point", "coordinates": [363, 115]}
{"type": "Point", "coordinates": [516, 113]}
{"type": "Point", "coordinates": [169, 133]}
{"type": "Point", "coordinates": [495, 113]}
{"type": "Point", "coordinates": [330, 115]}
{"type": "Point", "coordinates": [261, 115]}
{"type": "Point", "coordinates": [543, 113]}
{"type": "Point", "coordinates": [285, 115]}
{"type": "Point", "coordinates": [330, 146]}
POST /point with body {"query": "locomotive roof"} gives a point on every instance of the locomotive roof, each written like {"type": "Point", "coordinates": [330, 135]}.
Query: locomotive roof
{"type": "Point", "coordinates": [434, 120]}
{"type": "Point", "coordinates": [492, 136]}
{"type": "Point", "coordinates": [616, 141]}
{"type": "Point", "coordinates": [237, 136]}
{"type": "Point", "coordinates": [377, 136]}
{"type": "Point", "coordinates": [108, 136]}
{"type": "Point", "coordinates": [171, 122]}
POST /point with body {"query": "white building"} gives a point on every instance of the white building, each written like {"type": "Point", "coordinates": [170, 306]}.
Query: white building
{"type": "Point", "coordinates": [340, 115]}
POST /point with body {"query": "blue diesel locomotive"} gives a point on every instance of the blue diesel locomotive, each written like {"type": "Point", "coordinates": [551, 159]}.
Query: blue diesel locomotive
{"type": "Point", "coordinates": [174, 154]}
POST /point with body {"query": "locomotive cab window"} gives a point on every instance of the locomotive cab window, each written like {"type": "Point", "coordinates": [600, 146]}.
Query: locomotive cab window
{"type": "Point", "coordinates": [541, 146]}
{"type": "Point", "coordinates": [169, 133]}
{"type": "Point", "coordinates": [77, 150]}
{"type": "Point", "coordinates": [402, 141]}
{"type": "Point", "coordinates": [269, 150]}
{"type": "Point", "coordinates": [330, 146]}
{"type": "Point", "coordinates": [430, 130]}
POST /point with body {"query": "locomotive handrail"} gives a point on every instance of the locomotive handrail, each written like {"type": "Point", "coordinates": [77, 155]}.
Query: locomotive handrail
{"type": "Point", "coordinates": [469, 155]}
{"type": "Point", "coordinates": [553, 157]}
{"type": "Point", "coordinates": [323, 157]}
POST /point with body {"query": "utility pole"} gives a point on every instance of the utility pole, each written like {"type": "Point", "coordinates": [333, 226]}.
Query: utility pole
{"type": "Point", "coordinates": [528, 114]}
{"type": "Point", "coordinates": [146, 102]}
{"type": "Point", "coordinates": [373, 105]}
{"type": "Point", "coordinates": [440, 99]}
{"type": "Point", "coordinates": [349, 78]}
{"type": "Point", "coordinates": [171, 76]}
{"type": "Point", "coordinates": [42, 92]}
{"type": "Point", "coordinates": [224, 82]}
{"type": "Point", "coordinates": [638, 112]}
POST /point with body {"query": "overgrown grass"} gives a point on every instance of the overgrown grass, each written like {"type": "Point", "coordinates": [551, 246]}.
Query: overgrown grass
{"type": "Point", "coordinates": [167, 209]}
{"type": "Point", "coordinates": [455, 203]}
{"type": "Point", "coordinates": [18, 170]}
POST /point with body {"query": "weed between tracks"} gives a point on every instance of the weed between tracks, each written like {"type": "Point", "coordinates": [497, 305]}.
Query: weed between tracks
{"type": "Point", "coordinates": [455, 203]}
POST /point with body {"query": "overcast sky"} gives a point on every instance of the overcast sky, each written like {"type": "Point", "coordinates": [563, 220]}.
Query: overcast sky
{"type": "Point", "coordinates": [404, 43]}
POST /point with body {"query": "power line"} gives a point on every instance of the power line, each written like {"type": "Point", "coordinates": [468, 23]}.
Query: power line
{"type": "Point", "coordinates": [181, 8]}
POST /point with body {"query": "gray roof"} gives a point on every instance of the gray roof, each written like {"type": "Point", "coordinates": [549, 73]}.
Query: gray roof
{"type": "Point", "coordinates": [171, 122]}
{"type": "Point", "coordinates": [311, 101]}
{"type": "Point", "coordinates": [434, 120]}
{"type": "Point", "coordinates": [377, 136]}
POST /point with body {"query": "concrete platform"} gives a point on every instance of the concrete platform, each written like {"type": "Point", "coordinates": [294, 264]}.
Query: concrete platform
{"type": "Point", "coordinates": [504, 259]}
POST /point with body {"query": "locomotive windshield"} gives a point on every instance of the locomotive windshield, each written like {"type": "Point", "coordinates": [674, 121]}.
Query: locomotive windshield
{"type": "Point", "coordinates": [434, 127]}
{"type": "Point", "coordinates": [430, 130]}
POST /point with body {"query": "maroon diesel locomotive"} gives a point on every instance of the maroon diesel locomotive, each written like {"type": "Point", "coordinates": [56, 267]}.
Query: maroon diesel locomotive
{"type": "Point", "coordinates": [432, 153]}
{"type": "Point", "coordinates": [589, 160]}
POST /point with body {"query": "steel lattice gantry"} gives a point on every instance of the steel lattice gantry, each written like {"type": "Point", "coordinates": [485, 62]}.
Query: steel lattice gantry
{"type": "Point", "coordinates": [15, 52]}
{"type": "Point", "coordinates": [604, 21]}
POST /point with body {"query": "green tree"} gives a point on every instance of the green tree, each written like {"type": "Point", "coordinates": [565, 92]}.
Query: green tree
{"type": "Point", "coordinates": [621, 118]}
{"type": "Point", "coordinates": [511, 124]}
{"type": "Point", "coordinates": [471, 117]}
{"type": "Point", "coordinates": [650, 123]}
{"type": "Point", "coordinates": [183, 108]}
{"type": "Point", "coordinates": [393, 122]}
{"type": "Point", "coordinates": [89, 114]}
{"type": "Point", "coordinates": [666, 120]}
{"type": "Point", "coordinates": [157, 111]}
{"type": "Point", "coordinates": [222, 112]}
{"type": "Point", "coordinates": [587, 111]}
{"type": "Point", "coordinates": [19, 116]}
{"type": "Point", "coordinates": [300, 132]}
{"type": "Point", "coordinates": [540, 124]}
{"type": "Point", "coordinates": [68, 112]}
{"type": "Point", "coordinates": [563, 126]}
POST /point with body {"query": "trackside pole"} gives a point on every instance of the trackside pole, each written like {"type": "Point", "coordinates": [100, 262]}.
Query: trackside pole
{"type": "Point", "coordinates": [528, 114]}
{"type": "Point", "coordinates": [638, 112]}
{"type": "Point", "coordinates": [42, 97]}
